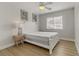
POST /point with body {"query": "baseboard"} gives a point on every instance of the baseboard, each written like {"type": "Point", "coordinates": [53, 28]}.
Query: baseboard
{"type": "Point", "coordinates": [6, 46]}
{"type": "Point", "coordinates": [67, 39]}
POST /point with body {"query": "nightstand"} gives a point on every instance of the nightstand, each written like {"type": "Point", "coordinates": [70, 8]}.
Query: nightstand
{"type": "Point", "coordinates": [19, 39]}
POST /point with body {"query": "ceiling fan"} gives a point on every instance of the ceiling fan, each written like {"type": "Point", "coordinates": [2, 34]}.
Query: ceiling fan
{"type": "Point", "coordinates": [43, 5]}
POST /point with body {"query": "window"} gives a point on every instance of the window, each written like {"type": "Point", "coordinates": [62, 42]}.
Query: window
{"type": "Point", "coordinates": [54, 23]}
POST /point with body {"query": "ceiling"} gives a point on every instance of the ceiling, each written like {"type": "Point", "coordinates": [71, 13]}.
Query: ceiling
{"type": "Point", "coordinates": [56, 6]}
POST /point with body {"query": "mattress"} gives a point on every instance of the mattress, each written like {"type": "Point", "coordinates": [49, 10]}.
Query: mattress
{"type": "Point", "coordinates": [41, 37]}
{"type": "Point", "coordinates": [38, 39]}
{"type": "Point", "coordinates": [42, 34]}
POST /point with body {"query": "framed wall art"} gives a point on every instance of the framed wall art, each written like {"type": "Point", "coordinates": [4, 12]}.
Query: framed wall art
{"type": "Point", "coordinates": [34, 17]}
{"type": "Point", "coordinates": [24, 15]}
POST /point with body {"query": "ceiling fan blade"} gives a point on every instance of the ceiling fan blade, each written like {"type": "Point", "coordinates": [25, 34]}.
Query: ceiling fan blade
{"type": "Point", "coordinates": [48, 3]}
{"type": "Point", "coordinates": [41, 3]}
{"type": "Point", "coordinates": [48, 8]}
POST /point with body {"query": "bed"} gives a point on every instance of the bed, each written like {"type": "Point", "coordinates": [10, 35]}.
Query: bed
{"type": "Point", "coordinates": [47, 40]}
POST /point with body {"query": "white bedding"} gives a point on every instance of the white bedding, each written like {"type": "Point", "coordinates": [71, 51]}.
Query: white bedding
{"type": "Point", "coordinates": [42, 34]}
{"type": "Point", "coordinates": [44, 39]}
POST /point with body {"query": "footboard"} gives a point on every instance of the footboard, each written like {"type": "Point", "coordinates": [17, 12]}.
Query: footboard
{"type": "Point", "coordinates": [53, 40]}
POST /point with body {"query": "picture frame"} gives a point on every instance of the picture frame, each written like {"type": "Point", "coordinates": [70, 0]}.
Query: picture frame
{"type": "Point", "coordinates": [34, 17]}
{"type": "Point", "coordinates": [24, 15]}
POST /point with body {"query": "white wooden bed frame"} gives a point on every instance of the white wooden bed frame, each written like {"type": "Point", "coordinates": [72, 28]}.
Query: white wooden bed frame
{"type": "Point", "coordinates": [53, 40]}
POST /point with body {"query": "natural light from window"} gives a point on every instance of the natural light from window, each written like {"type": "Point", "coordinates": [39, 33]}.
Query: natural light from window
{"type": "Point", "coordinates": [54, 22]}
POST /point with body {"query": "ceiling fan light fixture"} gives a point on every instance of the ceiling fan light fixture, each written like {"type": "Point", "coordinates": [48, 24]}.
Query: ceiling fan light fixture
{"type": "Point", "coordinates": [42, 7]}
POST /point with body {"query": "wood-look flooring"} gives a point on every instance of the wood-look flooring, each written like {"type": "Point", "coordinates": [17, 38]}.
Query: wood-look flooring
{"type": "Point", "coordinates": [63, 48]}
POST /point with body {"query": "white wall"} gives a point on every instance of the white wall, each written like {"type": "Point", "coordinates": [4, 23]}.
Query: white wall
{"type": "Point", "coordinates": [77, 26]}
{"type": "Point", "coordinates": [7, 15]}
{"type": "Point", "coordinates": [29, 26]}
{"type": "Point", "coordinates": [10, 12]}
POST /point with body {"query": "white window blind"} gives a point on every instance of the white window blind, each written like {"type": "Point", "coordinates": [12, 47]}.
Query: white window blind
{"type": "Point", "coordinates": [54, 22]}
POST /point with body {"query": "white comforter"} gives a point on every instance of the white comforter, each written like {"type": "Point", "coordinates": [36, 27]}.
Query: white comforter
{"type": "Point", "coordinates": [44, 39]}
{"type": "Point", "coordinates": [42, 34]}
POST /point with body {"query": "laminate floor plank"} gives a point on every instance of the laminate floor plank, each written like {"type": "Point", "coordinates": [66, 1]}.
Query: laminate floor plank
{"type": "Point", "coordinates": [63, 48]}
